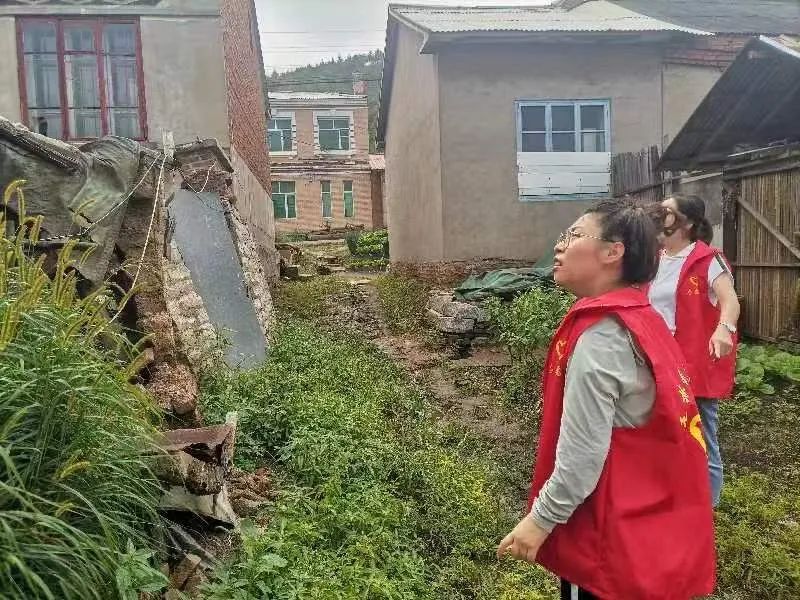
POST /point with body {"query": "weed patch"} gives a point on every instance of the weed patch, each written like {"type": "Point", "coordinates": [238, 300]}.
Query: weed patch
{"type": "Point", "coordinates": [376, 501]}
{"type": "Point", "coordinates": [306, 299]}
{"type": "Point", "coordinates": [403, 302]}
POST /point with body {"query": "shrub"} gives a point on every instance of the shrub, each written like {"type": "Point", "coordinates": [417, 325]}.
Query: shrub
{"type": "Point", "coordinates": [525, 326]}
{"type": "Point", "coordinates": [77, 497]}
{"type": "Point", "coordinates": [372, 244]}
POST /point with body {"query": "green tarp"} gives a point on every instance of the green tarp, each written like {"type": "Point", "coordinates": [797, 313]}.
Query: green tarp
{"type": "Point", "coordinates": [507, 283]}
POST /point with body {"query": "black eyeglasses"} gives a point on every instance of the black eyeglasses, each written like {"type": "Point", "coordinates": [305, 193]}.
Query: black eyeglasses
{"type": "Point", "coordinates": [566, 237]}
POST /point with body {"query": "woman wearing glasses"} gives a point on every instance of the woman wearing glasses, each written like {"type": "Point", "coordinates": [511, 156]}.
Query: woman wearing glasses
{"type": "Point", "coordinates": [619, 504]}
{"type": "Point", "coordinates": [693, 290]}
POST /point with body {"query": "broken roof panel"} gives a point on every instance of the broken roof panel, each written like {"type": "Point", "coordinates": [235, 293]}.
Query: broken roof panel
{"type": "Point", "coordinates": [754, 104]}
{"type": "Point", "coordinates": [593, 16]}
{"type": "Point", "coordinates": [723, 16]}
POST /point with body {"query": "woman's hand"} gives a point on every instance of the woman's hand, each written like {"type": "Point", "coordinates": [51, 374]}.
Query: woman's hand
{"type": "Point", "coordinates": [721, 343]}
{"type": "Point", "coordinates": [524, 541]}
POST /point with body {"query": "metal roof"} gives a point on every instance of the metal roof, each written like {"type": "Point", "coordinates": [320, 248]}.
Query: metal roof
{"type": "Point", "coordinates": [723, 16]}
{"type": "Point", "coordinates": [592, 16]}
{"type": "Point", "coordinates": [754, 104]}
{"type": "Point", "coordinates": [313, 96]}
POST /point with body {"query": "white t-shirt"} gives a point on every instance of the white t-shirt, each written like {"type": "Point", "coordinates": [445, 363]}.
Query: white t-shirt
{"type": "Point", "coordinates": [664, 289]}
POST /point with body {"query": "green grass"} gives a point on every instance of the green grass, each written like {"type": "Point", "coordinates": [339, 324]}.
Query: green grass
{"type": "Point", "coordinates": [402, 302]}
{"type": "Point", "coordinates": [76, 496]}
{"type": "Point", "coordinates": [376, 501]}
{"type": "Point", "coordinates": [306, 299]}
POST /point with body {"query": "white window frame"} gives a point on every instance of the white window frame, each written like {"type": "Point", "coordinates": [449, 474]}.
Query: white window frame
{"type": "Point", "coordinates": [352, 198]}
{"type": "Point", "coordinates": [322, 193]}
{"type": "Point", "coordinates": [577, 104]}
{"type": "Point", "coordinates": [284, 115]}
{"type": "Point", "coordinates": [335, 114]}
{"type": "Point", "coordinates": [285, 201]}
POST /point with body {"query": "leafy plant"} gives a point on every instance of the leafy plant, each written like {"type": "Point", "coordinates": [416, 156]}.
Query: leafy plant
{"type": "Point", "coordinates": [525, 326]}
{"type": "Point", "coordinates": [74, 485]}
{"type": "Point", "coordinates": [367, 264]}
{"type": "Point", "coordinates": [135, 574]}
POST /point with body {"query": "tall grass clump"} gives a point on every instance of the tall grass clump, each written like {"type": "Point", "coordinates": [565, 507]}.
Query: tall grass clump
{"type": "Point", "coordinates": [77, 501]}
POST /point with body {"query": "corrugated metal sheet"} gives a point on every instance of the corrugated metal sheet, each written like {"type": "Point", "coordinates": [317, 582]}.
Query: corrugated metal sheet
{"type": "Point", "coordinates": [753, 104]}
{"type": "Point", "coordinates": [313, 96]}
{"type": "Point", "coordinates": [593, 16]}
{"type": "Point", "coordinates": [723, 16]}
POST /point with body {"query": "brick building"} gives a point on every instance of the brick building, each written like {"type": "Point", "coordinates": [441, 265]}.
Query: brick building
{"type": "Point", "coordinates": [322, 172]}
{"type": "Point", "coordinates": [81, 69]}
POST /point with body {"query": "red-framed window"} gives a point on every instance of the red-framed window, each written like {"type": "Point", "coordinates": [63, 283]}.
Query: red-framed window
{"type": "Point", "coordinates": [82, 78]}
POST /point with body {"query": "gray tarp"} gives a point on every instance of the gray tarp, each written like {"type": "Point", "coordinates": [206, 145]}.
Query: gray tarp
{"type": "Point", "coordinates": [72, 188]}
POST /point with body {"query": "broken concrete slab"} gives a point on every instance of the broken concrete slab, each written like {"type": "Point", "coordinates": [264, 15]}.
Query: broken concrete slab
{"type": "Point", "coordinates": [185, 569]}
{"type": "Point", "coordinates": [207, 247]}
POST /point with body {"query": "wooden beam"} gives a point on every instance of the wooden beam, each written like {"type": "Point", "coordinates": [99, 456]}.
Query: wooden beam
{"type": "Point", "coordinates": [770, 227]}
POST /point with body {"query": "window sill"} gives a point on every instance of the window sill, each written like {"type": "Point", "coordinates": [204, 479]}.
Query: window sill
{"type": "Point", "coordinates": [282, 153]}
{"type": "Point", "coordinates": [565, 197]}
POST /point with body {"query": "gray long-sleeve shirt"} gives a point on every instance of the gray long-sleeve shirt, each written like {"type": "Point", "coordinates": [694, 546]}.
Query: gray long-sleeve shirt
{"type": "Point", "coordinates": [608, 384]}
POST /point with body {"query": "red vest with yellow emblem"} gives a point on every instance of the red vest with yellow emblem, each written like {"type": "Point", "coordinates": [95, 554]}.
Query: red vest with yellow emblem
{"type": "Point", "coordinates": [695, 321]}
{"type": "Point", "coordinates": [646, 532]}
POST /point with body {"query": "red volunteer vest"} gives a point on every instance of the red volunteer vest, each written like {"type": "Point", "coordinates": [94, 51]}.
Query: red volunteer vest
{"type": "Point", "coordinates": [646, 532]}
{"type": "Point", "coordinates": [695, 321]}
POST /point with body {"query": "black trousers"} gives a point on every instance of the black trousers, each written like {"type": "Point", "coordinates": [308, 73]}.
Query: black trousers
{"type": "Point", "coordinates": [566, 592]}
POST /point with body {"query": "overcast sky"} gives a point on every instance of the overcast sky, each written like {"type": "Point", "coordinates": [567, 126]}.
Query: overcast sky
{"type": "Point", "coordinates": [300, 32]}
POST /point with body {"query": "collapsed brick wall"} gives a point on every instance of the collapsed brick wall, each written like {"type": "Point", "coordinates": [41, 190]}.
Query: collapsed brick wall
{"type": "Point", "coordinates": [169, 377]}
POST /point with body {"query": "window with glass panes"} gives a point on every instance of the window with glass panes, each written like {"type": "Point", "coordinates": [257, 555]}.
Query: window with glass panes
{"type": "Point", "coordinates": [284, 201]}
{"type": "Point", "coordinates": [327, 208]}
{"type": "Point", "coordinates": [334, 133]}
{"type": "Point", "coordinates": [280, 134]}
{"type": "Point", "coordinates": [349, 208]}
{"type": "Point", "coordinates": [564, 126]}
{"type": "Point", "coordinates": [82, 77]}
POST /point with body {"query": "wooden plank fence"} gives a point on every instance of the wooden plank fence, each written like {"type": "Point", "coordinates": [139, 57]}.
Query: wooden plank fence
{"type": "Point", "coordinates": [634, 174]}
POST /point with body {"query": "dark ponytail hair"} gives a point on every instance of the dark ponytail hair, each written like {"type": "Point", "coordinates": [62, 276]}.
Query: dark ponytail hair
{"type": "Point", "coordinates": [632, 224]}
{"type": "Point", "coordinates": [694, 209]}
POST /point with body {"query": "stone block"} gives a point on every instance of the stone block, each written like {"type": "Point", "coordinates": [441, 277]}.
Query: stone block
{"type": "Point", "coordinates": [438, 301]}
{"type": "Point", "coordinates": [455, 325]}
{"type": "Point", "coordinates": [464, 310]}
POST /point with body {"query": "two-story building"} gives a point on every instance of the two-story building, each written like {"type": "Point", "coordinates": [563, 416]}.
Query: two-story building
{"type": "Point", "coordinates": [501, 124]}
{"type": "Point", "coordinates": [322, 174]}
{"type": "Point", "coordinates": [81, 69]}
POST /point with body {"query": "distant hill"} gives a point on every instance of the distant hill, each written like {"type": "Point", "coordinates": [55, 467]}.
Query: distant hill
{"type": "Point", "coordinates": [336, 76]}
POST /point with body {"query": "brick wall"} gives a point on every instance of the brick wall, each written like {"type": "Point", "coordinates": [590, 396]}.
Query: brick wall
{"type": "Point", "coordinates": [247, 120]}
{"type": "Point", "coordinates": [247, 124]}
{"type": "Point", "coordinates": [712, 51]}
{"type": "Point", "coordinates": [309, 201]}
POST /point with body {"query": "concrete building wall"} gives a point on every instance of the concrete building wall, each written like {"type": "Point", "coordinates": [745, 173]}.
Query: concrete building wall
{"type": "Point", "coordinates": [308, 192]}
{"type": "Point", "coordinates": [483, 216]}
{"type": "Point", "coordinates": [184, 78]}
{"type": "Point", "coordinates": [685, 86]}
{"type": "Point", "coordinates": [9, 90]}
{"type": "Point", "coordinates": [413, 154]}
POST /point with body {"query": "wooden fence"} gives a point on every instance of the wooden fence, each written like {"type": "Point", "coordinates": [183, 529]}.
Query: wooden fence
{"type": "Point", "coordinates": [762, 230]}
{"type": "Point", "coordinates": [634, 174]}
